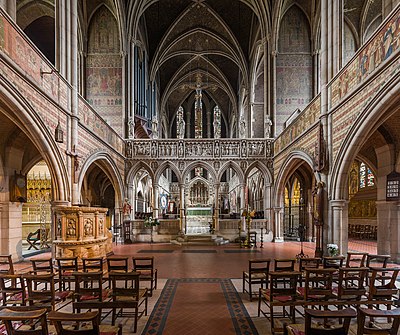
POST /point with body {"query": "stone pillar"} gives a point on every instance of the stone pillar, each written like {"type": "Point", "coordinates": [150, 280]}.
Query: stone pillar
{"type": "Point", "coordinates": [384, 210]}
{"type": "Point", "coordinates": [132, 86]}
{"type": "Point", "coordinates": [156, 200]}
{"type": "Point", "coordinates": [11, 229]}
{"type": "Point", "coordinates": [182, 230]}
{"type": "Point", "coordinates": [340, 225]}
{"type": "Point", "coordinates": [187, 113]}
{"type": "Point", "coordinates": [216, 211]}
{"type": "Point", "coordinates": [278, 229]}
{"type": "Point", "coordinates": [208, 115]}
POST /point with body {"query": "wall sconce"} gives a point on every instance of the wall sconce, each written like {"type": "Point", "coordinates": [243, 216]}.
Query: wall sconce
{"type": "Point", "coordinates": [58, 133]}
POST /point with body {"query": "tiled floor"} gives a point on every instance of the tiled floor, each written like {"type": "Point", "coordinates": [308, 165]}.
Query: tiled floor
{"type": "Point", "coordinates": [228, 261]}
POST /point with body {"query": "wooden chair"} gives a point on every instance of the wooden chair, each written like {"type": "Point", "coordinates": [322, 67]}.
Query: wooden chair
{"type": "Point", "coordinates": [92, 264]}
{"type": "Point", "coordinates": [13, 290]}
{"type": "Point", "coordinates": [6, 264]}
{"type": "Point", "coordinates": [351, 284]}
{"type": "Point", "coordinates": [277, 293]}
{"type": "Point", "coordinates": [284, 264]}
{"type": "Point", "coordinates": [66, 267]}
{"type": "Point", "coordinates": [257, 274]}
{"type": "Point", "coordinates": [356, 259]}
{"type": "Point", "coordinates": [125, 287]}
{"type": "Point", "coordinates": [321, 327]}
{"type": "Point", "coordinates": [311, 263]}
{"type": "Point", "coordinates": [24, 322]}
{"type": "Point", "coordinates": [42, 265]}
{"type": "Point", "coordinates": [365, 326]}
{"type": "Point", "coordinates": [72, 323]}
{"type": "Point", "coordinates": [89, 286]}
{"type": "Point", "coordinates": [377, 261]}
{"type": "Point", "coordinates": [145, 267]}
{"type": "Point", "coordinates": [33, 240]}
{"type": "Point", "coordinates": [41, 291]}
{"type": "Point", "coordinates": [318, 285]}
{"type": "Point", "coordinates": [382, 285]}
{"type": "Point", "coordinates": [116, 264]}
{"type": "Point", "coordinates": [335, 262]}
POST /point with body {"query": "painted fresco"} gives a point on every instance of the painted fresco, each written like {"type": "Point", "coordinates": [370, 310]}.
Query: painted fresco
{"type": "Point", "coordinates": [104, 68]}
{"type": "Point", "coordinates": [302, 123]}
{"type": "Point", "coordinates": [293, 66]}
{"type": "Point", "coordinates": [370, 57]}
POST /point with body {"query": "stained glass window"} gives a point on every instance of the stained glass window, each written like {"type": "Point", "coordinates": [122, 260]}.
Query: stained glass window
{"type": "Point", "coordinates": [370, 178]}
{"type": "Point", "coordinates": [367, 178]}
{"type": "Point", "coordinates": [362, 175]}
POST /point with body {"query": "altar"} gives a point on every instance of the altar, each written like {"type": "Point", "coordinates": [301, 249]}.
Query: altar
{"type": "Point", "coordinates": [198, 220]}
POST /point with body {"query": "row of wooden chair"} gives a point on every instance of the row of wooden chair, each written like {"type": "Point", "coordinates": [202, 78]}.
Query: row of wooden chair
{"type": "Point", "coordinates": [27, 320]}
{"type": "Point", "coordinates": [315, 322]}
{"type": "Point", "coordinates": [319, 290]}
{"type": "Point", "coordinates": [258, 269]}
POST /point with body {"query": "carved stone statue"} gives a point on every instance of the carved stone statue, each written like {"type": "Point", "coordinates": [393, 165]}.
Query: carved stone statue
{"type": "Point", "coordinates": [131, 127]}
{"type": "Point", "coordinates": [267, 127]}
{"type": "Point", "coordinates": [154, 127]}
{"type": "Point", "coordinates": [181, 128]}
{"type": "Point", "coordinates": [242, 126]}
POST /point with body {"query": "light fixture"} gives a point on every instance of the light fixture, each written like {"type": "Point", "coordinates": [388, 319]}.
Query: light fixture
{"type": "Point", "coordinates": [58, 133]}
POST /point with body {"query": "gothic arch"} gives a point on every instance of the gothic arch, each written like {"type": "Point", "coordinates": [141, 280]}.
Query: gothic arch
{"type": "Point", "coordinates": [382, 106]}
{"type": "Point", "coordinates": [108, 166]}
{"type": "Point", "coordinates": [202, 164]}
{"type": "Point", "coordinates": [130, 177]}
{"type": "Point", "coordinates": [163, 167]}
{"type": "Point", "coordinates": [294, 160]}
{"type": "Point", "coordinates": [235, 167]}
{"type": "Point", "coordinates": [11, 100]}
{"type": "Point", "coordinates": [260, 166]}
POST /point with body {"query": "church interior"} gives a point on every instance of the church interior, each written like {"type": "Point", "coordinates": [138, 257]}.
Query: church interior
{"type": "Point", "coordinates": [267, 127]}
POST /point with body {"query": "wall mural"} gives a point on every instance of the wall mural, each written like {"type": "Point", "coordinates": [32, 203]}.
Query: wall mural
{"type": "Point", "coordinates": [294, 70]}
{"type": "Point", "coordinates": [104, 68]}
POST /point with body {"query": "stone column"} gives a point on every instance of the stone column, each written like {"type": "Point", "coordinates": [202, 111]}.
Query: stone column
{"type": "Point", "coordinates": [216, 212]}
{"type": "Point", "coordinates": [340, 225]}
{"type": "Point", "coordinates": [278, 230]}
{"type": "Point", "coordinates": [384, 210]}
{"type": "Point", "coordinates": [208, 115]}
{"type": "Point", "coordinates": [182, 230]}
{"type": "Point", "coordinates": [187, 113]}
{"type": "Point", "coordinates": [156, 191]}
{"type": "Point", "coordinates": [274, 130]}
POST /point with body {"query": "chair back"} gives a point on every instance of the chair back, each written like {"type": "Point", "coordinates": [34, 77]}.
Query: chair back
{"type": "Point", "coordinates": [117, 264]}
{"type": "Point", "coordinates": [335, 262]}
{"type": "Point", "coordinates": [12, 288]}
{"type": "Point", "coordinates": [125, 285]}
{"type": "Point", "coordinates": [88, 285]}
{"type": "Point", "coordinates": [318, 284]}
{"type": "Point", "coordinates": [259, 267]}
{"type": "Point", "coordinates": [382, 283]}
{"type": "Point", "coordinates": [351, 283]}
{"type": "Point", "coordinates": [42, 265]}
{"type": "Point", "coordinates": [328, 329]}
{"type": "Point", "coordinates": [70, 324]}
{"type": "Point", "coordinates": [14, 317]}
{"type": "Point", "coordinates": [92, 264]}
{"type": "Point", "coordinates": [356, 259]}
{"type": "Point", "coordinates": [41, 291]}
{"type": "Point", "coordinates": [312, 262]}
{"type": "Point", "coordinates": [284, 264]}
{"type": "Point", "coordinates": [284, 284]}
{"type": "Point", "coordinates": [66, 267]}
{"type": "Point", "coordinates": [6, 264]}
{"type": "Point", "coordinates": [144, 265]}
{"type": "Point", "coordinates": [366, 324]}
{"type": "Point", "coordinates": [378, 261]}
